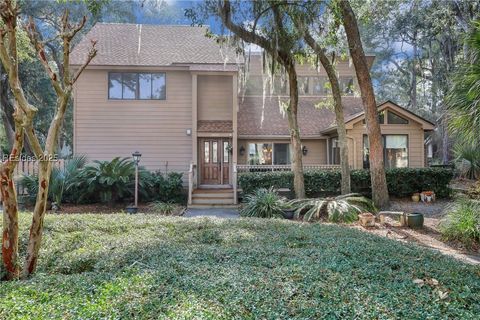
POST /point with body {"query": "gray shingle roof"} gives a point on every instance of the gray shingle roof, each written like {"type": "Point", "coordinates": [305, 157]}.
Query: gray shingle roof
{"type": "Point", "coordinates": [120, 44]}
{"type": "Point", "coordinates": [258, 119]}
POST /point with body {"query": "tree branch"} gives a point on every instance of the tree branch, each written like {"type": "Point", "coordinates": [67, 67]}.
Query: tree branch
{"type": "Point", "coordinates": [225, 12]}
{"type": "Point", "coordinates": [91, 54]}
{"type": "Point", "coordinates": [39, 47]}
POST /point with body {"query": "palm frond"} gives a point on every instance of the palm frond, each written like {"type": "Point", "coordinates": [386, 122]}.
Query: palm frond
{"type": "Point", "coordinates": [344, 208]}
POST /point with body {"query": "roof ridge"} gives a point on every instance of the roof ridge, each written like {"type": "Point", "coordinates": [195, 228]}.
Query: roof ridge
{"type": "Point", "coordinates": [149, 24]}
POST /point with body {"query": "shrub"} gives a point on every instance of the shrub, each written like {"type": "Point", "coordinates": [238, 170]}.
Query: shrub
{"type": "Point", "coordinates": [264, 203]}
{"type": "Point", "coordinates": [164, 187]}
{"type": "Point", "coordinates": [462, 222]}
{"type": "Point", "coordinates": [344, 208]}
{"type": "Point", "coordinates": [63, 181]}
{"type": "Point", "coordinates": [109, 181]}
{"type": "Point", "coordinates": [401, 181]}
{"type": "Point", "coordinates": [170, 186]}
{"type": "Point", "coordinates": [467, 158]}
{"type": "Point", "coordinates": [165, 208]}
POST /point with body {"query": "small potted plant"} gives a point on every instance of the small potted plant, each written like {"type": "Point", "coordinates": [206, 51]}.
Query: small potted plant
{"type": "Point", "coordinates": [288, 211]}
{"type": "Point", "coordinates": [132, 209]}
{"type": "Point", "coordinates": [367, 219]}
{"type": "Point", "coordinates": [428, 196]}
{"type": "Point", "coordinates": [415, 220]}
{"type": "Point", "coordinates": [416, 197]}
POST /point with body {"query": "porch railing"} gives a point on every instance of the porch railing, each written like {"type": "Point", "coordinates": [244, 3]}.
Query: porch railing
{"type": "Point", "coordinates": [191, 182]}
{"type": "Point", "coordinates": [241, 168]}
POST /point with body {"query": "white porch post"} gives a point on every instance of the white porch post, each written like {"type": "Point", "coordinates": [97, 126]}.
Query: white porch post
{"type": "Point", "coordinates": [192, 177]}
{"type": "Point", "coordinates": [235, 136]}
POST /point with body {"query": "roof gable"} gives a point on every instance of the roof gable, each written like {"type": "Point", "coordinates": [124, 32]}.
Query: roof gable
{"type": "Point", "coordinates": [426, 125]}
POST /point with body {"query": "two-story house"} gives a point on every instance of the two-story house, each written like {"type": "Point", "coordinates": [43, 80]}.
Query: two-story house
{"type": "Point", "coordinates": [174, 95]}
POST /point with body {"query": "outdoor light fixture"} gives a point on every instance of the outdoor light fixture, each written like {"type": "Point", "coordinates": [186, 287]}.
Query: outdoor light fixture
{"type": "Point", "coordinates": [136, 159]}
{"type": "Point", "coordinates": [188, 132]}
{"type": "Point", "coordinates": [304, 150]}
{"type": "Point", "coordinates": [242, 150]}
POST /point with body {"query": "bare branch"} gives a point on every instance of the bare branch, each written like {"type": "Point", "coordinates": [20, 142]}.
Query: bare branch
{"type": "Point", "coordinates": [39, 47]}
{"type": "Point", "coordinates": [91, 54]}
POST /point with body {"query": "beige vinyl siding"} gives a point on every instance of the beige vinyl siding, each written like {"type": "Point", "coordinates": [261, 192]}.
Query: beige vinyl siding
{"type": "Point", "coordinates": [415, 142]}
{"type": "Point", "coordinates": [215, 97]}
{"type": "Point", "coordinates": [105, 129]}
{"type": "Point", "coordinates": [317, 150]}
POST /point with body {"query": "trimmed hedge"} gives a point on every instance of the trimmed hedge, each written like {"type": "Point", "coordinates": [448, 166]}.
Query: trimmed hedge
{"type": "Point", "coordinates": [402, 182]}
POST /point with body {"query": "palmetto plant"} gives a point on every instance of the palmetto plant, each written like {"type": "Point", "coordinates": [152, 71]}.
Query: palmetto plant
{"type": "Point", "coordinates": [344, 208]}
{"type": "Point", "coordinates": [264, 203]}
{"type": "Point", "coordinates": [110, 180]}
{"type": "Point", "coordinates": [463, 100]}
{"type": "Point", "coordinates": [62, 180]}
{"type": "Point", "coordinates": [468, 159]}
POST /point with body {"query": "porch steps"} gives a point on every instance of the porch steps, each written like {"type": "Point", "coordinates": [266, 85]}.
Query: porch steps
{"type": "Point", "coordinates": [213, 198]}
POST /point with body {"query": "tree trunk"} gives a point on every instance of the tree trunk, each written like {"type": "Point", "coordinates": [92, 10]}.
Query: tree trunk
{"type": "Point", "coordinates": [340, 119]}
{"type": "Point", "coordinates": [10, 209]}
{"type": "Point", "coordinates": [6, 109]}
{"type": "Point", "coordinates": [297, 163]}
{"type": "Point", "coordinates": [345, 187]}
{"type": "Point", "coordinates": [10, 225]}
{"type": "Point", "coordinates": [413, 88]}
{"type": "Point", "coordinates": [377, 170]}
{"type": "Point", "coordinates": [342, 136]}
{"type": "Point", "coordinates": [36, 228]}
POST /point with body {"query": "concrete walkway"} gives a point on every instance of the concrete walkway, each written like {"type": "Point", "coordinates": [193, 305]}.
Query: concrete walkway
{"type": "Point", "coordinates": [214, 213]}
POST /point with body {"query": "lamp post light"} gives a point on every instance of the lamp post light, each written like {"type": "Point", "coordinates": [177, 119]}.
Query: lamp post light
{"type": "Point", "coordinates": [136, 159]}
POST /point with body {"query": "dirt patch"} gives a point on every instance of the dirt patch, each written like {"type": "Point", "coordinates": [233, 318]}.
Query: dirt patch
{"type": "Point", "coordinates": [429, 235]}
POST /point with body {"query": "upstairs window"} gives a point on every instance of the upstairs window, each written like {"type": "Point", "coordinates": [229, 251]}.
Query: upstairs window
{"type": "Point", "coordinates": [254, 86]}
{"type": "Point", "coordinates": [136, 86]}
{"type": "Point", "coordinates": [393, 118]}
{"type": "Point", "coordinates": [346, 85]}
{"type": "Point", "coordinates": [320, 86]}
{"type": "Point", "coordinates": [302, 85]}
{"type": "Point", "coordinates": [381, 118]}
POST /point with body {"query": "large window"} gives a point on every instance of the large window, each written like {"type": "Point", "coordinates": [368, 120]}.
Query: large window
{"type": "Point", "coordinates": [268, 153]}
{"type": "Point", "coordinates": [255, 84]}
{"type": "Point", "coordinates": [136, 86]}
{"type": "Point", "coordinates": [395, 151]}
{"type": "Point", "coordinates": [281, 153]}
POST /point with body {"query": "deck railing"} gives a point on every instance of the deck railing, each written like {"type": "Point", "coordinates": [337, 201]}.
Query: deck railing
{"type": "Point", "coordinates": [241, 168]}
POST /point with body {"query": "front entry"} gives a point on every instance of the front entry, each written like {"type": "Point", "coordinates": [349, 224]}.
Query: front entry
{"type": "Point", "coordinates": [215, 159]}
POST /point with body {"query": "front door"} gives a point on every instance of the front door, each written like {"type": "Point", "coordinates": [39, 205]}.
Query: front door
{"type": "Point", "coordinates": [215, 159]}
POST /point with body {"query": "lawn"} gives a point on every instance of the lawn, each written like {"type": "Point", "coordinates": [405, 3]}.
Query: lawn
{"type": "Point", "coordinates": [149, 267]}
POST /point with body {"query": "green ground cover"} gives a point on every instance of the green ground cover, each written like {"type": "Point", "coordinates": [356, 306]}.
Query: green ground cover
{"type": "Point", "coordinates": [152, 267]}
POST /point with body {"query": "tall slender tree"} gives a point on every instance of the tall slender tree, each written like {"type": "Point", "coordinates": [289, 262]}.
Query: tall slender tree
{"type": "Point", "coordinates": [25, 113]}
{"type": "Point", "coordinates": [377, 170]}
{"type": "Point", "coordinates": [307, 19]}
{"type": "Point", "coordinates": [271, 30]}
